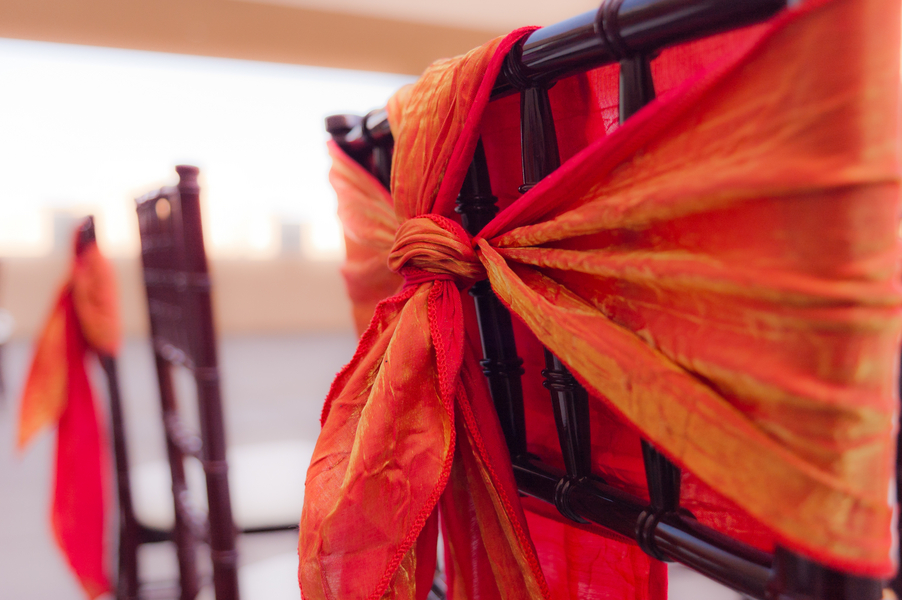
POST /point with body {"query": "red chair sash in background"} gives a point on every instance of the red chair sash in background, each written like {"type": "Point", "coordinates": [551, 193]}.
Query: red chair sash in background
{"type": "Point", "coordinates": [84, 320]}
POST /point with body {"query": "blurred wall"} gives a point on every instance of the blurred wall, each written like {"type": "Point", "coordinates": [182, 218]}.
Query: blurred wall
{"type": "Point", "coordinates": [248, 30]}
{"type": "Point", "coordinates": [282, 295]}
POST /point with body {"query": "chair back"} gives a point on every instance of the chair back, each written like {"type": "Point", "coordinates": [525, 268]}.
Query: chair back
{"type": "Point", "coordinates": [177, 282]}
{"type": "Point", "coordinates": [660, 527]}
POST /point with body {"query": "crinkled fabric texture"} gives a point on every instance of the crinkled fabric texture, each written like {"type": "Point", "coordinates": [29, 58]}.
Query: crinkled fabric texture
{"type": "Point", "coordinates": [58, 393]}
{"type": "Point", "coordinates": [369, 223]}
{"type": "Point", "coordinates": [720, 272]}
{"type": "Point", "coordinates": [408, 425]}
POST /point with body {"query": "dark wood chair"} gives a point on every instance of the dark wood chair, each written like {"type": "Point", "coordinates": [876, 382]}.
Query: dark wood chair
{"type": "Point", "coordinates": [266, 494]}
{"type": "Point", "coordinates": [659, 527]}
{"type": "Point", "coordinates": [182, 333]}
{"type": "Point", "coordinates": [181, 327]}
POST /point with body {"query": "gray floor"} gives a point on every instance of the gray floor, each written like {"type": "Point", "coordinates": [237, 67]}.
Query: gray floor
{"type": "Point", "coordinates": [273, 389]}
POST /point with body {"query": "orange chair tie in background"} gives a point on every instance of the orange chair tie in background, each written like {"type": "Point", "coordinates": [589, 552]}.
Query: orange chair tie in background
{"type": "Point", "coordinates": [58, 393]}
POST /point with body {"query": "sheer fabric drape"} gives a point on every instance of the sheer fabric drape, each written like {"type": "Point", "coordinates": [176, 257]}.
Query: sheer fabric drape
{"type": "Point", "coordinates": [721, 273]}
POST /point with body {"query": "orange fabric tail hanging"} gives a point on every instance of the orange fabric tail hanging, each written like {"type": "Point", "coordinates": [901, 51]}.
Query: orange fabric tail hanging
{"type": "Point", "coordinates": [369, 224]}
{"type": "Point", "coordinates": [58, 393]}
{"type": "Point", "coordinates": [408, 424]}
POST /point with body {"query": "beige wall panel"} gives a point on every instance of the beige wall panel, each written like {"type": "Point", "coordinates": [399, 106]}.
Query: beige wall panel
{"type": "Point", "coordinates": [28, 288]}
{"type": "Point", "coordinates": [239, 30]}
{"type": "Point", "coordinates": [280, 296]}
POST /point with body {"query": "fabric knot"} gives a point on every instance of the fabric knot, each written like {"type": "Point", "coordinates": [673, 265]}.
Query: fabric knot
{"type": "Point", "coordinates": [431, 248]}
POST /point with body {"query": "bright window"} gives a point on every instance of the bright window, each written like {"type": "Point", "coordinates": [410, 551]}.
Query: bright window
{"type": "Point", "coordinates": [85, 130]}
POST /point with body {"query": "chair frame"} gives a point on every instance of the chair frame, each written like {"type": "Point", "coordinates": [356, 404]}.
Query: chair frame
{"type": "Point", "coordinates": [177, 282]}
{"type": "Point", "coordinates": [188, 275]}
{"type": "Point", "coordinates": [628, 32]}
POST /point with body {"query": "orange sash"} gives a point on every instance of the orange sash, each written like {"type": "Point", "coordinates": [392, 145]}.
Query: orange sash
{"type": "Point", "coordinates": [58, 393]}
{"type": "Point", "coordinates": [721, 271]}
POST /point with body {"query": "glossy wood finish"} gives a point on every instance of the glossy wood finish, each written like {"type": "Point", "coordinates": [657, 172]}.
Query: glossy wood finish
{"type": "Point", "coordinates": [569, 400]}
{"type": "Point", "coordinates": [367, 140]}
{"type": "Point", "coordinates": [629, 32]}
{"type": "Point", "coordinates": [570, 404]}
{"type": "Point", "coordinates": [181, 323]}
{"type": "Point", "coordinates": [500, 363]}
{"type": "Point", "coordinates": [538, 140]}
{"type": "Point", "coordinates": [674, 537]}
{"type": "Point", "coordinates": [796, 577]}
{"type": "Point", "coordinates": [621, 29]}
{"type": "Point", "coordinates": [637, 88]}
{"type": "Point", "coordinates": [618, 30]}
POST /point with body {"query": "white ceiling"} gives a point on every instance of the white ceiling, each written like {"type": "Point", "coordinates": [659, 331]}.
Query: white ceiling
{"type": "Point", "coordinates": [488, 15]}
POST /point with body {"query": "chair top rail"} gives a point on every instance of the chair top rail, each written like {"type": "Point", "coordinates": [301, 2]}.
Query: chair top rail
{"type": "Point", "coordinates": [156, 194]}
{"type": "Point", "coordinates": [86, 234]}
{"type": "Point", "coordinates": [617, 30]}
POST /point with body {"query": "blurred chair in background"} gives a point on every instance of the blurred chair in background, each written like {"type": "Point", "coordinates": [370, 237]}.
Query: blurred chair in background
{"type": "Point", "coordinates": [249, 489]}
{"type": "Point", "coordinates": [181, 327]}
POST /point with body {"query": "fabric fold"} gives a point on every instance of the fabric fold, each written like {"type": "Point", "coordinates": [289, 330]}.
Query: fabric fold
{"type": "Point", "coordinates": [721, 272]}
{"type": "Point", "coordinates": [394, 415]}
{"type": "Point", "coordinates": [781, 172]}
{"type": "Point", "coordinates": [58, 393]}
{"type": "Point", "coordinates": [369, 224]}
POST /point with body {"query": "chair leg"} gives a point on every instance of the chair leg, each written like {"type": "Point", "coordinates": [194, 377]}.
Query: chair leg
{"type": "Point", "coordinates": [183, 536]}
{"type": "Point", "coordinates": [127, 584]}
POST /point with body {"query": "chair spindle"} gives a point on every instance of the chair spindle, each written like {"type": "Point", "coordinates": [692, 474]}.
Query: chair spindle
{"type": "Point", "coordinates": [178, 292]}
{"type": "Point", "coordinates": [501, 365]}
{"type": "Point", "coordinates": [183, 534]}
{"type": "Point", "coordinates": [637, 88]}
{"type": "Point", "coordinates": [206, 374]}
{"type": "Point", "coordinates": [569, 399]}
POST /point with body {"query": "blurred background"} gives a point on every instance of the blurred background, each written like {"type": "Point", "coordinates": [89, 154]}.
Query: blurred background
{"type": "Point", "coordinates": [100, 100]}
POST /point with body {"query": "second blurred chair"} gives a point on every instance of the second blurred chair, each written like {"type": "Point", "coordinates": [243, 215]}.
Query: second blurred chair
{"type": "Point", "coordinates": [265, 481]}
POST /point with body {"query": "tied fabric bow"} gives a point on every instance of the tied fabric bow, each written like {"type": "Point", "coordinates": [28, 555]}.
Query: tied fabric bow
{"type": "Point", "coordinates": [57, 392]}
{"type": "Point", "coordinates": [434, 248]}
{"type": "Point", "coordinates": [409, 425]}
{"type": "Point", "coordinates": [721, 271]}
